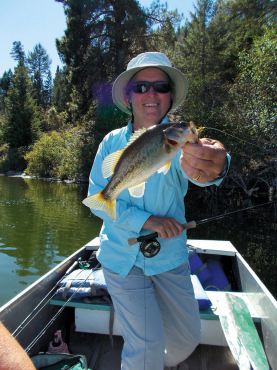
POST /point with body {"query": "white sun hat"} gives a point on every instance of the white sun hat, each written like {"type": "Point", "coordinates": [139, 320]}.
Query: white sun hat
{"type": "Point", "coordinates": [145, 60]}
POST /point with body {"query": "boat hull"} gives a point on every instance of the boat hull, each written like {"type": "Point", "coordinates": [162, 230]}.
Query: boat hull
{"type": "Point", "coordinates": [262, 305]}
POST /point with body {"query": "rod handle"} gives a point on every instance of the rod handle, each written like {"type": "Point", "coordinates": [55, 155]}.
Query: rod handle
{"type": "Point", "coordinates": [132, 241]}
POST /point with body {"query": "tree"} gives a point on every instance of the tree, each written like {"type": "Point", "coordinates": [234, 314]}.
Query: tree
{"type": "Point", "coordinates": [18, 53]}
{"type": "Point", "coordinates": [5, 83]}
{"type": "Point", "coordinates": [39, 63]}
{"type": "Point", "coordinates": [100, 38]}
{"type": "Point", "coordinates": [164, 38]}
{"type": "Point", "coordinates": [252, 101]}
{"type": "Point", "coordinates": [193, 56]}
{"type": "Point", "coordinates": [20, 129]}
{"type": "Point", "coordinates": [61, 90]}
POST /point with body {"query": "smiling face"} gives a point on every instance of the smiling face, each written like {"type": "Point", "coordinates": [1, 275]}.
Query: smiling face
{"type": "Point", "coordinates": [149, 107]}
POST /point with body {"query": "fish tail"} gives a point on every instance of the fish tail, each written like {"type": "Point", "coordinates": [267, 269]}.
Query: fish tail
{"type": "Point", "coordinates": [97, 201]}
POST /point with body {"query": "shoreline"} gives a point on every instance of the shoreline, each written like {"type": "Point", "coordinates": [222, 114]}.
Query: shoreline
{"type": "Point", "coordinates": [23, 176]}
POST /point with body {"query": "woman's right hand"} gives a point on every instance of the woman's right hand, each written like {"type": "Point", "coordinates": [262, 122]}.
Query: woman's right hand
{"type": "Point", "coordinates": [166, 227]}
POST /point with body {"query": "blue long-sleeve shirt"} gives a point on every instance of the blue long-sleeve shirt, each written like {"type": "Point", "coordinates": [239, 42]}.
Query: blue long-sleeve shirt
{"type": "Point", "coordinates": [163, 196]}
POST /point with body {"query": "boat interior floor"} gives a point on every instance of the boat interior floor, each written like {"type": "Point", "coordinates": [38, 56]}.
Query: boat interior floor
{"type": "Point", "coordinates": [105, 357]}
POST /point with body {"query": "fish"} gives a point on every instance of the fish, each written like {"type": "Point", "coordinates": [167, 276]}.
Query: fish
{"type": "Point", "coordinates": [147, 152]}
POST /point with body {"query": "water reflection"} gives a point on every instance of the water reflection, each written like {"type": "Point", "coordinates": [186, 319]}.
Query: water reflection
{"type": "Point", "coordinates": [41, 223]}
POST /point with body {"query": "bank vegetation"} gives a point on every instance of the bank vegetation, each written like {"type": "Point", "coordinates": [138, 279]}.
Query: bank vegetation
{"type": "Point", "coordinates": [51, 126]}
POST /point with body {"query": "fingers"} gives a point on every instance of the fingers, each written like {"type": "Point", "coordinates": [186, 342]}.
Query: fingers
{"type": "Point", "coordinates": [207, 149]}
{"type": "Point", "coordinates": [204, 161]}
{"type": "Point", "coordinates": [166, 227]}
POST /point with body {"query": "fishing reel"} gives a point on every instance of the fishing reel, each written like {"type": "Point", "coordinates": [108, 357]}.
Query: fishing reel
{"type": "Point", "coordinates": [150, 248]}
{"type": "Point", "coordinates": [149, 245]}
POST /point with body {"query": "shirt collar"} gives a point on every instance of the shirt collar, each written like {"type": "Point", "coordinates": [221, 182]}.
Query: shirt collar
{"type": "Point", "coordinates": [130, 125]}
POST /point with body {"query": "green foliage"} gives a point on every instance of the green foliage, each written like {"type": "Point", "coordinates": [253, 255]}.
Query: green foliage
{"type": "Point", "coordinates": [5, 84]}
{"type": "Point", "coordinates": [61, 91]}
{"type": "Point", "coordinates": [21, 127]}
{"type": "Point", "coordinates": [250, 111]}
{"type": "Point", "coordinates": [254, 91]}
{"type": "Point", "coordinates": [227, 50]}
{"type": "Point", "coordinates": [99, 41]}
{"type": "Point", "coordinates": [12, 159]}
{"type": "Point", "coordinates": [38, 63]}
{"type": "Point", "coordinates": [55, 120]}
{"type": "Point", "coordinates": [4, 165]}
{"type": "Point", "coordinates": [18, 53]}
{"type": "Point", "coordinates": [55, 155]}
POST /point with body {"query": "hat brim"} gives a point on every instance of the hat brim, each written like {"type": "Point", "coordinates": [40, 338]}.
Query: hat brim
{"type": "Point", "coordinates": [180, 86]}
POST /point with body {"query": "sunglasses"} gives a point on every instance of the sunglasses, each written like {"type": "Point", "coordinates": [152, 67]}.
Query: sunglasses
{"type": "Point", "coordinates": [142, 87]}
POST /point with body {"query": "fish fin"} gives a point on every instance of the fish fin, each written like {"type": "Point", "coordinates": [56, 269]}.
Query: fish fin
{"type": "Point", "coordinates": [135, 136]}
{"type": "Point", "coordinates": [165, 168]}
{"type": "Point", "coordinates": [138, 190]}
{"type": "Point", "coordinates": [98, 202]}
{"type": "Point", "coordinates": [110, 162]}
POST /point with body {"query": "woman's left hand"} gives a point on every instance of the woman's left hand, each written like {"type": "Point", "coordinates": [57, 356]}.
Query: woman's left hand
{"type": "Point", "coordinates": [203, 161]}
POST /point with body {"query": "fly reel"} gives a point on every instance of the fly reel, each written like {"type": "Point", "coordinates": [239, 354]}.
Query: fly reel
{"type": "Point", "coordinates": [150, 248]}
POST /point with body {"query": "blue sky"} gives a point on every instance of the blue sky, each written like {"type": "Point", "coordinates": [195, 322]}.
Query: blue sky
{"type": "Point", "coordinates": [42, 21]}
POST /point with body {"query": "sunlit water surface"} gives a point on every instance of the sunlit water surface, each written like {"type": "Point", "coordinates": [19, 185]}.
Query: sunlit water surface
{"type": "Point", "coordinates": [41, 223]}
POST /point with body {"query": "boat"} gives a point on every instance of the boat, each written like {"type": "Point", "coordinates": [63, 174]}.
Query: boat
{"type": "Point", "coordinates": [35, 314]}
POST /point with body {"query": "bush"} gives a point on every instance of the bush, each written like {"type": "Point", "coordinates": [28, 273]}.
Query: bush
{"type": "Point", "coordinates": [55, 155]}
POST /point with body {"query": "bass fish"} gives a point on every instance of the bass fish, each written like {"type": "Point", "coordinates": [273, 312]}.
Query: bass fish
{"type": "Point", "coordinates": [148, 151]}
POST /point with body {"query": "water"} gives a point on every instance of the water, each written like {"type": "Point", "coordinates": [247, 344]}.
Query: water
{"type": "Point", "coordinates": [42, 222]}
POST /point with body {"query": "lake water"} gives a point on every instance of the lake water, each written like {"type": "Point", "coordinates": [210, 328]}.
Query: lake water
{"type": "Point", "coordinates": [43, 222]}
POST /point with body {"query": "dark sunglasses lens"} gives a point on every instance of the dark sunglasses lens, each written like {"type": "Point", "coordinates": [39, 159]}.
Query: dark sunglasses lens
{"type": "Point", "coordinates": [158, 86]}
{"type": "Point", "coordinates": [162, 87]}
{"type": "Point", "coordinates": [140, 87]}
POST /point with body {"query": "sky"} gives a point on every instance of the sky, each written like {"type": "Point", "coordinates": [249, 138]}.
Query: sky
{"type": "Point", "coordinates": [42, 21]}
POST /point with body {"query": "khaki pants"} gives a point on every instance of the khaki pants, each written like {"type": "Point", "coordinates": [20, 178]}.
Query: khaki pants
{"type": "Point", "coordinates": [158, 317]}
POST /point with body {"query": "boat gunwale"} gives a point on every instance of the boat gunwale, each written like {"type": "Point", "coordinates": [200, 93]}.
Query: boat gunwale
{"type": "Point", "coordinates": [50, 279]}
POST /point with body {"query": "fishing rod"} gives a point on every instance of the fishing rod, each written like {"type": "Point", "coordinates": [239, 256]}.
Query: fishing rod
{"type": "Point", "coordinates": [237, 138]}
{"type": "Point", "coordinates": [52, 320]}
{"type": "Point", "coordinates": [150, 246]}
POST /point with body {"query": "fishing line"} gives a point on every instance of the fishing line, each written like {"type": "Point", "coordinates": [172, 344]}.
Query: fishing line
{"type": "Point", "coordinates": [21, 326]}
{"type": "Point", "coordinates": [43, 331]}
{"type": "Point", "coordinates": [218, 217]}
{"type": "Point", "coordinates": [144, 364]}
{"type": "Point", "coordinates": [193, 224]}
{"type": "Point", "coordinates": [235, 137]}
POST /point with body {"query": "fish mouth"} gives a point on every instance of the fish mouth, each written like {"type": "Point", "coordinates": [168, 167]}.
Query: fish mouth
{"type": "Point", "coordinates": [172, 142]}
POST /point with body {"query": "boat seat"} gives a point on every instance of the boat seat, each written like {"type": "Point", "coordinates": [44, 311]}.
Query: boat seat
{"type": "Point", "coordinates": [211, 313]}
{"type": "Point", "coordinates": [93, 316]}
{"type": "Point", "coordinates": [98, 303]}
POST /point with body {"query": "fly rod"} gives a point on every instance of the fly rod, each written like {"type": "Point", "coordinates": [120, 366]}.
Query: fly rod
{"type": "Point", "coordinates": [193, 224]}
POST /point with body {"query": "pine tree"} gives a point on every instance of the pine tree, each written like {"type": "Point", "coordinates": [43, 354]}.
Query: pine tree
{"type": "Point", "coordinates": [39, 63]}
{"type": "Point", "coordinates": [61, 90]}
{"type": "Point", "coordinates": [21, 111]}
{"type": "Point", "coordinates": [99, 41]}
{"type": "Point", "coordinates": [194, 58]}
{"type": "Point", "coordinates": [18, 53]}
{"type": "Point", "coordinates": [5, 83]}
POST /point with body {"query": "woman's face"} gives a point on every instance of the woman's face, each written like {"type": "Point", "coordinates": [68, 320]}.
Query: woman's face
{"type": "Point", "coordinates": [149, 107]}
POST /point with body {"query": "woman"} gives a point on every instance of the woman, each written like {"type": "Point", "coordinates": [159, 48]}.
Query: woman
{"type": "Point", "coordinates": [153, 297]}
